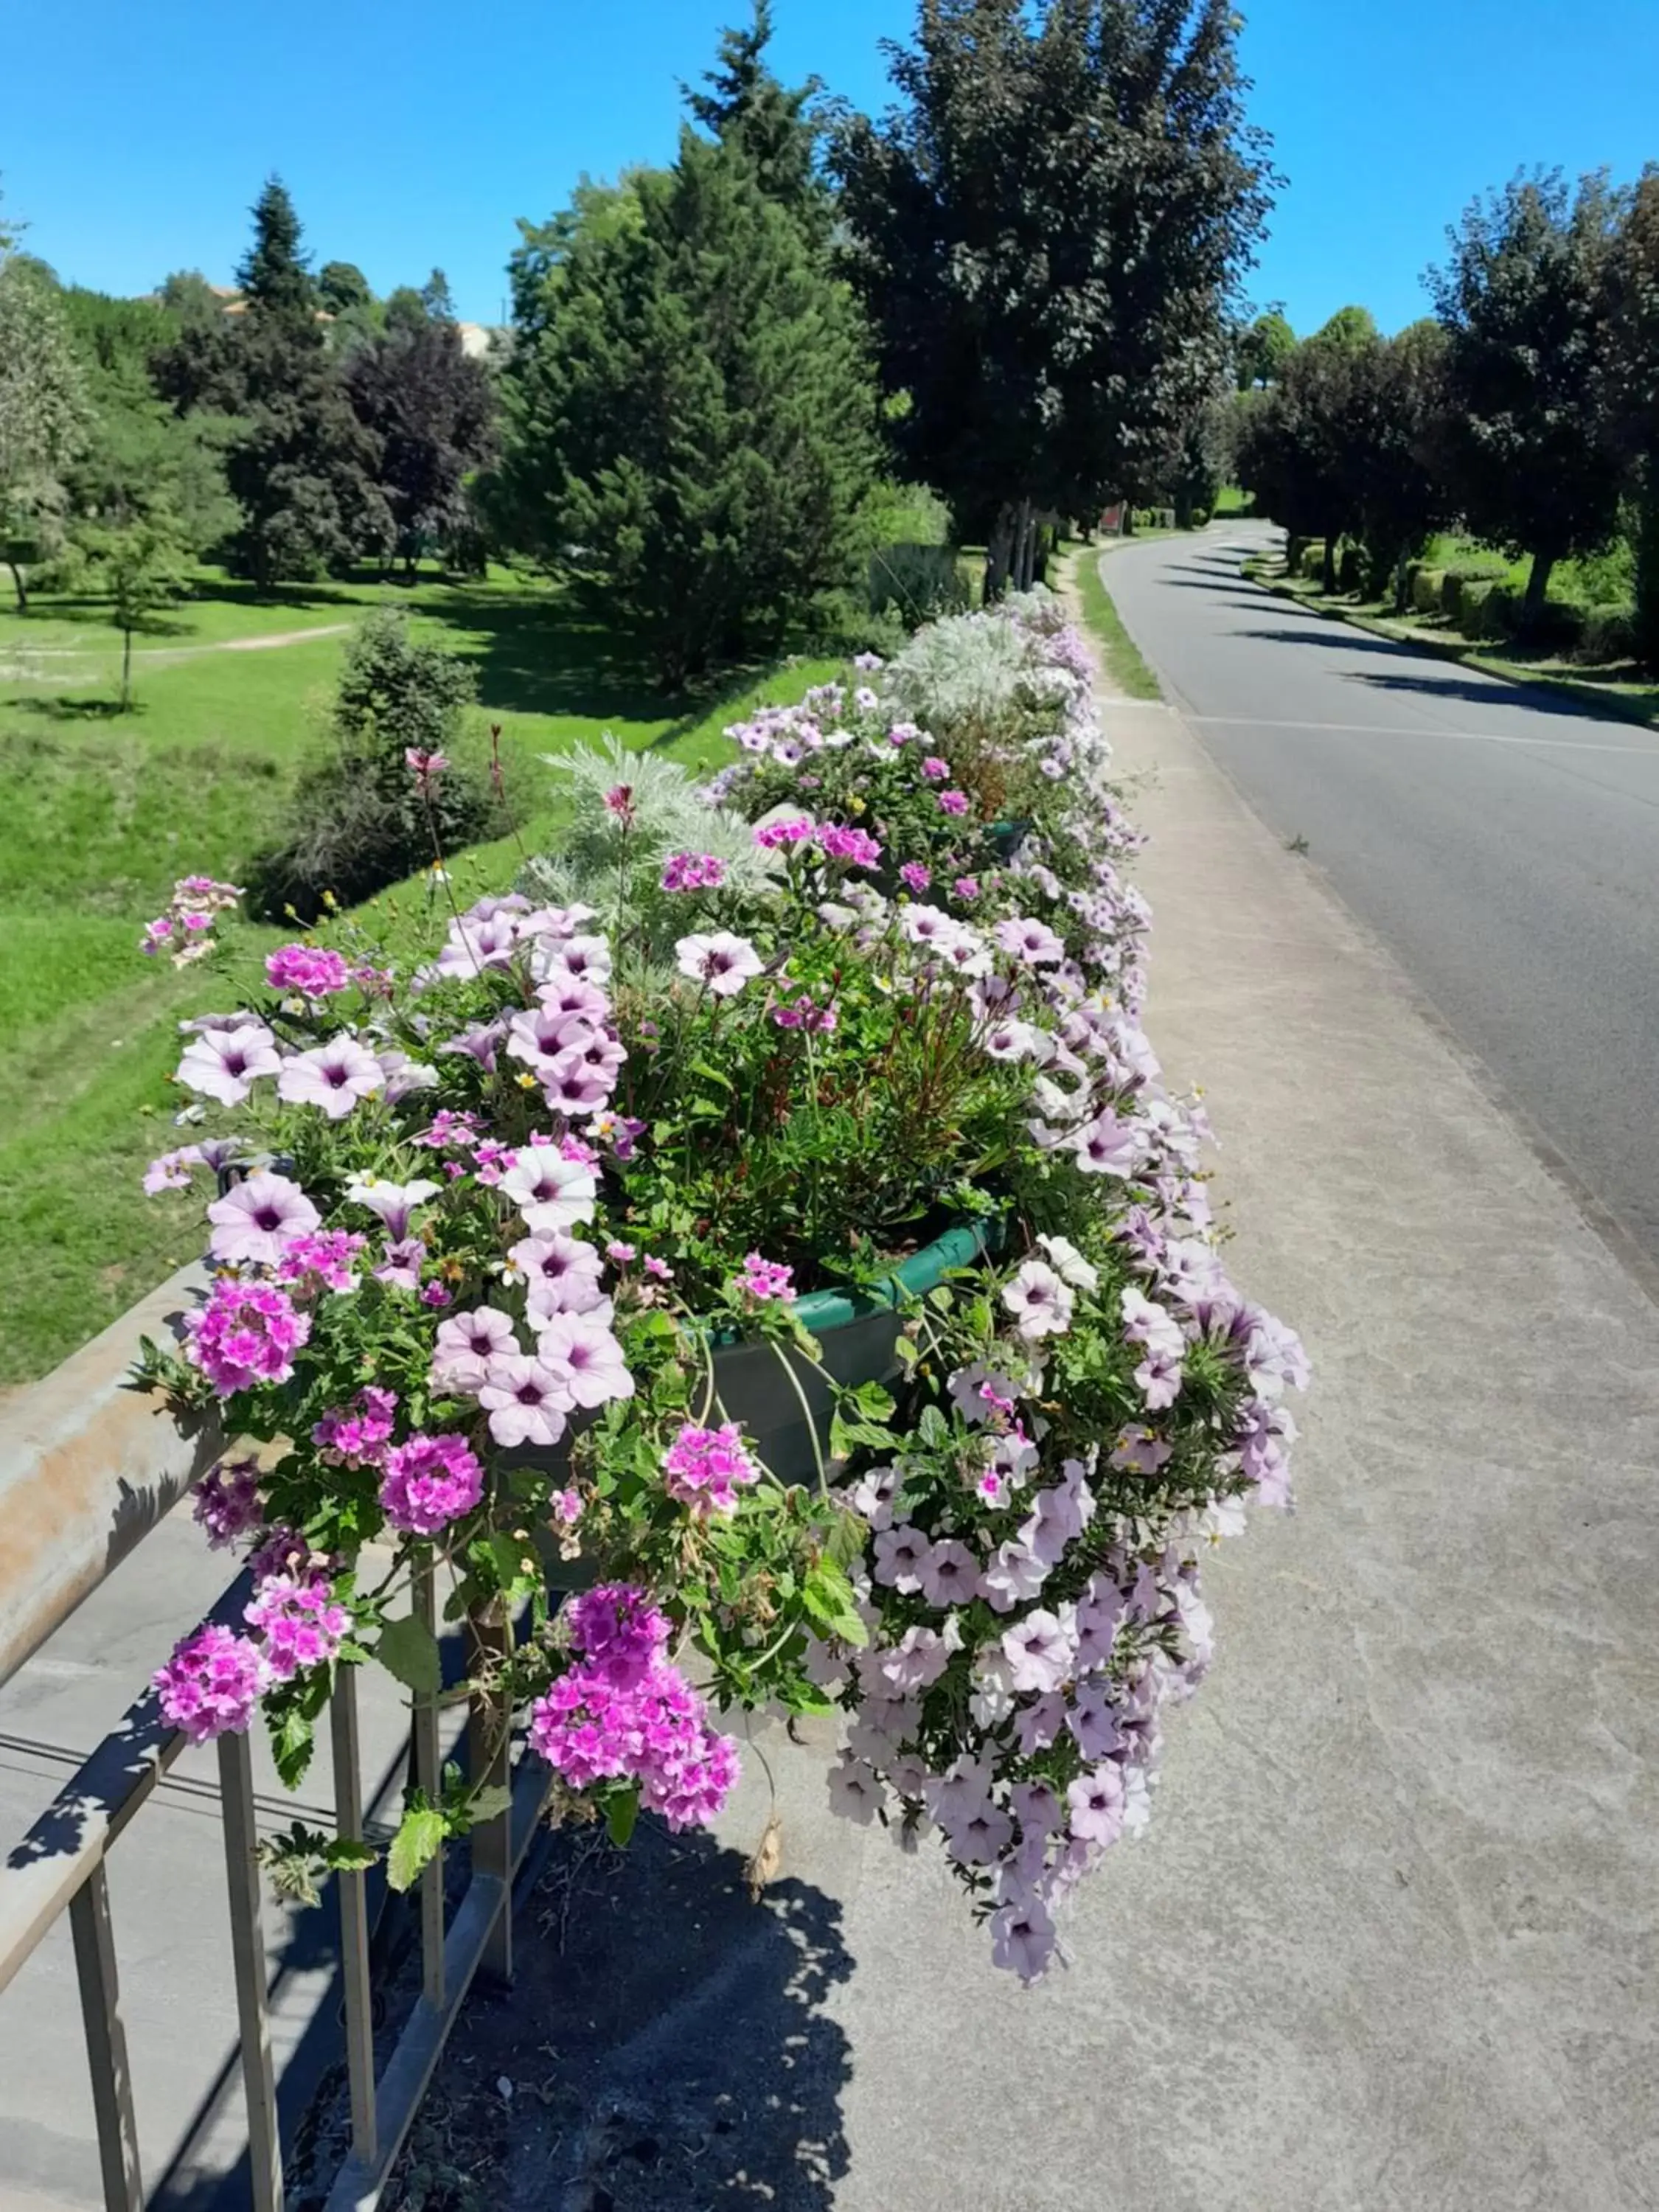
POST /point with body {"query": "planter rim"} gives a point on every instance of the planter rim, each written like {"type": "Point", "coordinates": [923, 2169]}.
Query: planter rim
{"type": "Point", "coordinates": [821, 1312]}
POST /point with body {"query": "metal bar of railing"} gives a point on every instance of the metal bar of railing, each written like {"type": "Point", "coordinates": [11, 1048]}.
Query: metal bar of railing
{"type": "Point", "coordinates": [354, 1917]}
{"type": "Point", "coordinates": [248, 1953]}
{"type": "Point", "coordinates": [107, 2045]}
{"type": "Point", "coordinates": [489, 1753]}
{"type": "Point", "coordinates": [427, 1775]}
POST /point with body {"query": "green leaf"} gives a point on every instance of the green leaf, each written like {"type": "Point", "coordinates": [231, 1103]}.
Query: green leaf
{"type": "Point", "coordinates": [622, 1810]}
{"type": "Point", "coordinates": [828, 1596]}
{"type": "Point", "coordinates": [489, 1805]}
{"type": "Point", "coordinates": [349, 1855]}
{"type": "Point", "coordinates": [290, 1745]}
{"type": "Point", "coordinates": [409, 1650]}
{"type": "Point", "coordinates": [414, 1847]}
{"type": "Point", "coordinates": [712, 1074]}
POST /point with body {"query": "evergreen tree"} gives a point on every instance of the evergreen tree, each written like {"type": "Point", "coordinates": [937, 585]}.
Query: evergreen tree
{"type": "Point", "coordinates": [342, 288]}
{"type": "Point", "coordinates": [1047, 231]}
{"type": "Point", "coordinates": [692, 416]}
{"type": "Point", "coordinates": [304, 470]}
{"type": "Point", "coordinates": [773, 125]}
{"type": "Point", "coordinates": [1522, 300]}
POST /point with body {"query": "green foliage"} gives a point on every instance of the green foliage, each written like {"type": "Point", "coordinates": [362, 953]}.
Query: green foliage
{"type": "Point", "coordinates": [342, 287]}
{"type": "Point", "coordinates": [430, 411]}
{"type": "Point", "coordinates": [140, 566]}
{"type": "Point", "coordinates": [1522, 300]}
{"type": "Point", "coordinates": [360, 818]}
{"type": "Point", "coordinates": [690, 421]}
{"type": "Point", "coordinates": [1261, 350]}
{"type": "Point", "coordinates": [1046, 229]}
{"type": "Point", "coordinates": [43, 415]}
{"type": "Point", "coordinates": [772, 125]}
{"type": "Point", "coordinates": [919, 583]}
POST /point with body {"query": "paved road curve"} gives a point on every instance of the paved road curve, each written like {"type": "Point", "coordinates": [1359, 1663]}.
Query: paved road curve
{"type": "Point", "coordinates": [1505, 846]}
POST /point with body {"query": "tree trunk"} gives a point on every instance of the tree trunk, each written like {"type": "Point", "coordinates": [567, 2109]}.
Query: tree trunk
{"type": "Point", "coordinates": [1025, 546]}
{"type": "Point", "coordinates": [126, 669]}
{"type": "Point", "coordinates": [1538, 583]}
{"type": "Point", "coordinates": [1328, 578]}
{"type": "Point", "coordinates": [997, 554]}
{"type": "Point", "coordinates": [19, 585]}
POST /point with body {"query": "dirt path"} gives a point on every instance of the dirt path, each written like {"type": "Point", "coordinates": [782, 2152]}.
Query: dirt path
{"type": "Point", "coordinates": [68, 660]}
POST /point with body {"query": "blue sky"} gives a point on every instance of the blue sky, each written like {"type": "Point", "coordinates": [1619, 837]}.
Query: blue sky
{"type": "Point", "coordinates": [133, 139]}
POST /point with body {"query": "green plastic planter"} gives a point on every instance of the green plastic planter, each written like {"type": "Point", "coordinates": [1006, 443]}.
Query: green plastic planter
{"type": "Point", "coordinates": [857, 1336]}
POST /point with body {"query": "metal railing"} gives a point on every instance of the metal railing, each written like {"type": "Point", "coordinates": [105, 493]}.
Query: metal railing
{"type": "Point", "coordinates": [60, 1865]}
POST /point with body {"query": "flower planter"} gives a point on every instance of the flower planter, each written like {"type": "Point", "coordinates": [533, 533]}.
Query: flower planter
{"type": "Point", "coordinates": [763, 1386]}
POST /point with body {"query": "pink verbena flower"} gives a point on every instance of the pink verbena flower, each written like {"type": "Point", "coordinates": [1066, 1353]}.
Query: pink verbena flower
{"type": "Point", "coordinates": [211, 1684]}
{"type": "Point", "coordinates": [430, 1481]}
{"type": "Point", "coordinates": [246, 1334]}
{"type": "Point", "coordinates": [228, 1501]}
{"type": "Point", "coordinates": [325, 1258]}
{"type": "Point", "coordinates": [914, 876]}
{"type": "Point", "coordinates": [309, 969]}
{"type": "Point", "coordinates": [857, 847]}
{"type": "Point", "coordinates": [302, 1623]}
{"type": "Point", "coordinates": [764, 1279]}
{"type": "Point", "coordinates": [966, 887]}
{"type": "Point", "coordinates": [953, 802]}
{"type": "Point", "coordinates": [591, 1727]}
{"type": "Point", "coordinates": [935, 770]}
{"type": "Point", "coordinates": [693, 871]}
{"type": "Point", "coordinates": [704, 1468]}
{"type": "Point", "coordinates": [617, 1625]}
{"type": "Point", "coordinates": [357, 1435]}
{"type": "Point", "coordinates": [790, 829]}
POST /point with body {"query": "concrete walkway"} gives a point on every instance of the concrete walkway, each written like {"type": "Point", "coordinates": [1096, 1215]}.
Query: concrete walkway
{"type": "Point", "coordinates": [1390, 1944]}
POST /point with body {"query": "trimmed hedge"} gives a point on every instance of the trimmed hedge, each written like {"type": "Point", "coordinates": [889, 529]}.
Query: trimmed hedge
{"type": "Point", "coordinates": [1426, 586]}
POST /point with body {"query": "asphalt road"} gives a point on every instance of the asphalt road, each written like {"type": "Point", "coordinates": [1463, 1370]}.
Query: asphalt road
{"type": "Point", "coordinates": [1504, 845]}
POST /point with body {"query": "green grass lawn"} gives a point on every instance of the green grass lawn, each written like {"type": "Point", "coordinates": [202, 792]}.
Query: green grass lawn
{"type": "Point", "coordinates": [1124, 664]}
{"type": "Point", "coordinates": [100, 810]}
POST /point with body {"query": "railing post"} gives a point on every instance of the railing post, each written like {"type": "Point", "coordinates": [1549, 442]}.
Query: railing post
{"type": "Point", "coordinates": [106, 2044]}
{"type": "Point", "coordinates": [427, 1776]}
{"type": "Point", "coordinates": [489, 1767]}
{"type": "Point", "coordinates": [352, 1884]}
{"type": "Point", "coordinates": [248, 1952]}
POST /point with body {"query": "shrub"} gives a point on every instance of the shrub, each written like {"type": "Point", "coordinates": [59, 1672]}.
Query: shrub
{"type": "Point", "coordinates": [361, 818]}
{"type": "Point", "coordinates": [1350, 569]}
{"type": "Point", "coordinates": [1199, 518]}
{"type": "Point", "coordinates": [1609, 634]}
{"type": "Point", "coordinates": [917, 582]}
{"type": "Point", "coordinates": [1313, 559]}
{"type": "Point", "coordinates": [1425, 588]}
{"type": "Point", "coordinates": [1473, 594]}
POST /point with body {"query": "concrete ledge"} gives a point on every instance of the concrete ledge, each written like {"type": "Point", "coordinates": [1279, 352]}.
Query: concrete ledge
{"type": "Point", "coordinates": [87, 1467]}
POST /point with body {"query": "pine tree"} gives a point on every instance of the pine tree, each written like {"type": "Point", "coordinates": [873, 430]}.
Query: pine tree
{"type": "Point", "coordinates": [304, 471]}
{"type": "Point", "coordinates": [747, 107]}
{"type": "Point", "coordinates": [692, 421]}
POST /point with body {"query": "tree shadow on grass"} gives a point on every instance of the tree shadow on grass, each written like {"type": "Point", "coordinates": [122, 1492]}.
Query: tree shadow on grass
{"type": "Point", "coordinates": [65, 707]}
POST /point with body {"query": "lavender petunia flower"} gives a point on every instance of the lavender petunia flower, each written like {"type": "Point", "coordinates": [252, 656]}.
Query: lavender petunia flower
{"type": "Point", "coordinates": [254, 1223]}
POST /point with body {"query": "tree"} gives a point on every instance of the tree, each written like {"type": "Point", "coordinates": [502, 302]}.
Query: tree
{"type": "Point", "coordinates": [431, 412]}
{"type": "Point", "coordinates": [1300, 442]}
{"type": "Point", "coordinates": [1401, 430]}
{"type": "Point", "coordinates": [304, 470]}
{"type": "Point", "coordinates": [43, 416]}
{"type": "Point", "coordinates": [342, 287]}
{"type": "Point", "coordinates": [1632, 399]}
{"type": "Point", "coordinates": [1261, 350]}
{"type": "Point", "coordinates": [690, 416]}
{"type": "Point", "coordinates": [773, 124]}
{"type": "Point", "coordinates": [141, 566]}
{"type": "Point", "coordinates": [1047, 231]}
{"type": "Point", "coordinates": [1522, 300]}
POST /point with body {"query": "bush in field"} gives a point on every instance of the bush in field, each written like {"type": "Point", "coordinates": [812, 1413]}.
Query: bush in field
{"type": "Point", "coordinates": [359, 816]}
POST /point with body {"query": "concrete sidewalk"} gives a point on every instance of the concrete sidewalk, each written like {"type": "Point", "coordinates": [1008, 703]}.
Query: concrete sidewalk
{"type": "Point", "coordinates": [1390, 1942]}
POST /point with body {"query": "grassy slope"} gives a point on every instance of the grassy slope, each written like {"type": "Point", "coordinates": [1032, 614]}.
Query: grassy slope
{"type": "Point", "coordinates": [1124, 664]}
{"type": "Point", "coordinates": [1619, 690]}
{"type": "Point", "coordinates": [99, 812]}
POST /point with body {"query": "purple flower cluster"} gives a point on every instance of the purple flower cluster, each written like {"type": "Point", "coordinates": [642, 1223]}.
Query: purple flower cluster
{"type": "Point", "coordinates": [228, 1501]}
{"type": "Point", "coordinates": [310, 969]}
{"type": "Point", "coordinates": [357, 1435]}
{"type": "Point", "coordinates": [621, 1712]}
{"type": "Point", "coordinates": [857, 847]}
{"type": "Point", "coordinates": [326, 1258]}
{"type": "Point", "coordinates": [430, 1481]}
{"type": "Point", "coordinates": [693, 871]}
{"type": "Point", "coordinates": [762, 1279]}
{"type": "Point", "coordinates": [704, 1468]}
{"type": "Point", "coordinates": [211, 1684]}
{"type": "Point", "coordinates": [301, 1620]}
{"type": "Point", "coordinates": [248, 1333]}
